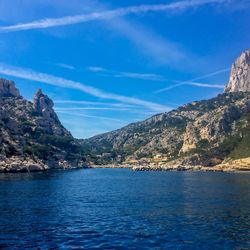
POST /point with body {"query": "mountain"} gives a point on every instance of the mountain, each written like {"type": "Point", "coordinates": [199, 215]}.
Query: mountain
{"type": "Point", "coordinates": [202, 133]}
{"type": "Point", "coordinates": [31, 135]}
{"type": "Point", "coordinates": [240, 74]}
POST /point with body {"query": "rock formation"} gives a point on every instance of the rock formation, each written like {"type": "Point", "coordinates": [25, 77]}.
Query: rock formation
{"type": "Point", "coordinates": [240, 74]}
{"type": "Point", "coordinates": [31, 135]}
{"type": "Point", "coordinates": [43, 105]}
{"type": "Point", "coordinates": [210, 134]}
{"type": "Point", "coordinates": [201, 133]}
{"type": "Point", "coordinates": [7, 88]}
{"type": "Point", "coordinates": [204, 133]}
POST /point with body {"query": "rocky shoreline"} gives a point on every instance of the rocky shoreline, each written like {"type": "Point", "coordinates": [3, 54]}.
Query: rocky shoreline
{"type": "Point", "coordinates": [23, 165]}
{"type": "Point", "coordinates": [19, 165]}
{"type": "Point", "coordinates": [242, 165]}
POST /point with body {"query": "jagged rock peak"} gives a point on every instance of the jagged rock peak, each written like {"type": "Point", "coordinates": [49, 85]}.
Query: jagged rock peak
{"type": "Point", "coordinates": [240, 74]}
{"type": "Point", "coordinates": [43, 105]}
{"type": "Point", "coordinates": [8, 88]}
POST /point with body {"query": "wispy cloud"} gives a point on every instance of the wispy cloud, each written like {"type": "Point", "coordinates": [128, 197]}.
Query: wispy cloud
{"type": "Point", "coordinates": [142, 76]}
{"type": "Point", "coordinates": [65, 83]}
{"type": "Point", "coordinates": [197, 84]}
{"type": "Point", "coordinates": [109, 14]}
{"type": "Point", "coordinates": [217, 72]}
{"type": "Point", "coordinates": [122, 105]}
{"type": "Point", "coordinates": [92, 116]}
{"type": "Point", "coordinates": [133, 75]}
{"type": "Point", "coordinates": [65, 105]}
{"type": "Point", "coordinates": [92, 108]}
{"type": "Point", "coordinates": [65, 66]}
{"type": "Point", "coordinates": [96, 69]}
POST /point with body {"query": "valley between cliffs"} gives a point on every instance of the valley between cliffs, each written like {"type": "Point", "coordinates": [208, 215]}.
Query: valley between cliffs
{"type": "Point", "coordinates": [207, 135]}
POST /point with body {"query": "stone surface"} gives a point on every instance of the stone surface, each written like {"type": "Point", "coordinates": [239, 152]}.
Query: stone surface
{"type": "Point", "coordinates": [31, 135]}
{"type": "Point", "coordinates": [202, 133]}
{"type": "Point", "coordinates": [240, 74]}
{"type": "Point", "coordinates": [7, 88]}
{"type": "Point", "coordinates": [43, 105]}
{"type": "Point", "coordinates": [194, 134]}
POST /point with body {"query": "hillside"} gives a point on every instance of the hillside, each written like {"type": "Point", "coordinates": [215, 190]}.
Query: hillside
{"type": "Point", "coordinates": [204, 133]}
{"type": "Point", "coordinates": [31, 135]}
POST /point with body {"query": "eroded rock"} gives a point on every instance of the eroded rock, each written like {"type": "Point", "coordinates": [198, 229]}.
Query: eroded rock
{"type": "Point", "coordinates": [240, 74]}
{"type": "Point", "coordinates": [8, 88]}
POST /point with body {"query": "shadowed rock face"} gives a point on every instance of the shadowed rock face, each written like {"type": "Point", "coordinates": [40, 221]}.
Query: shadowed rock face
{"type": "Point", "coordinates": [7, 88]}
{"type": "Point", "coordinates": [240, 74]}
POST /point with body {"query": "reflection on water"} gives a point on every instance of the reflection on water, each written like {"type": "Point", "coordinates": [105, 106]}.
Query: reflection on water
{"type": "Point", "coordinates": [122, 209]}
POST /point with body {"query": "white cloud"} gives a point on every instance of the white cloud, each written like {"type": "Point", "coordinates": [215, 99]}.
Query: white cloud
{"type": "Point", "coordinates": [109, 14]}
{"type": "Point", "coordinates": [91, 108]}
{"type": "Point", "coordinates": [92, 116]}
{"type": "Point", "coordinates": [65, 66]}
{"type": "Point", "coordinates": [206, 85]}
{"type": "Point", "coordinates": [133, 75]}
{"type": "Point", "coordinates": [197, 84]}
{"type": "Point", "coordinates": [95, 103]}
{"type": "Point", "coordinates": [65, 83]}
{"type": "Point", "coordinates": [142, 76]}
{"type": "Point", "coordinates": [96, 69]}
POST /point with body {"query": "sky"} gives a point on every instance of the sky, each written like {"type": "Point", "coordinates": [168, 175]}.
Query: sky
{"type": "Point", "coordinates": [108, 63]}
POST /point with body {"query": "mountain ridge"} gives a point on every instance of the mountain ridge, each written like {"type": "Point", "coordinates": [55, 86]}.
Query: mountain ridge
{"type": "Point", "coordinates": [194, 134]}
{"type": "Point", "coordinates": [200, 135]}
{"type": "Point", "coordinates": [31, 135]}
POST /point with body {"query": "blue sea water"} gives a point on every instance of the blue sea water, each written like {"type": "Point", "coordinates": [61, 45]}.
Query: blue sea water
{"type": "Point", "coordinates": [122, 209]}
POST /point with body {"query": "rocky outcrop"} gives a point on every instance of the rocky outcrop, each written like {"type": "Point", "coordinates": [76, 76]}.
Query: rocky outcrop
{"type": "Point", "coordinates": [31, 135]}
{"type": "Point", "coordinates": [240, 74]}
{"type": "Point", "coordinates": [17, 165]}
{"type": "Point", "coordinates": [203, 133]}
{"type": "Point", "coordinates": [43, 105]}
{"type": "Point", "coordinates": [7, 88]}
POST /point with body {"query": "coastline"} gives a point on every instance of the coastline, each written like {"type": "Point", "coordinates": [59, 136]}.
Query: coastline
{"type": "Point", "coordinates": [15, 165]}
{"type": "Point", "coordinates": [240, 165]}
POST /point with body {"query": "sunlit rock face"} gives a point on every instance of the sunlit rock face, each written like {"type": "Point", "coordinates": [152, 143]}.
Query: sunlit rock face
{"type": "Point", "coordinates": [43, 105]}
{"type": "Point", "coordinates": [202, 133]}
{"type": "Point", "coordinates": [31, 135]}
{"type": "Point", "coordinates": [240, 74]}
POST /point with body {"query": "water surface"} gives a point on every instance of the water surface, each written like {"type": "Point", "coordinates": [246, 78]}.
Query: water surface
{"type": "Point", "coordinates": [122, 209]}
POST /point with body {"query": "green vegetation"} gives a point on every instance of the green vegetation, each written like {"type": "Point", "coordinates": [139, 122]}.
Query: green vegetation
{"type": "Point", "coordinates": [40, 151]}
{"type": "Point", "coordinates": [238, 145]}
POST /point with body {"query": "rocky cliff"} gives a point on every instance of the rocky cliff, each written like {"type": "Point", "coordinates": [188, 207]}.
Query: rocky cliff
{"type": "Point", "coordinates": [31, 135]}
{"type": "Point", "coordinates": [204, 133]}
{"type": "Point", "coordinates": [240, 74]}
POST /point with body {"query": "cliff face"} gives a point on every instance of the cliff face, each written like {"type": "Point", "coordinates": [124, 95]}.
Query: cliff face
{"type": "Point", "coordinates": [240, 74]}
{"type": "Point", "coordinates": [31, 135]}
{"type": "Point", "coordinates": [200, 133]}
{"type": "Point", "coordinates": [7, 88]}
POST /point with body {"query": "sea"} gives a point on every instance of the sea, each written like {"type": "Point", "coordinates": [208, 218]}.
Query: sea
{"type": "Point", "coordinates": [124, 209]}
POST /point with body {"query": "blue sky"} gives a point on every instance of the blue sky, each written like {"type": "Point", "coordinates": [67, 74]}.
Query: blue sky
{"type": "Point", "coordinates": [109, 63]}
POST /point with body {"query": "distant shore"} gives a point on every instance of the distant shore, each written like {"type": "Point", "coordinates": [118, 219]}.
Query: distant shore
{"type": "Point", "coordinates": [240, 165]}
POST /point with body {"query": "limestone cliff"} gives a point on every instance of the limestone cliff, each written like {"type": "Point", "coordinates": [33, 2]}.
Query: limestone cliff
{"type": "Point", "coordinates": [7, 88]}
{"type": "Point", "coordinates": [201, 133]}
{"type": "Point", "coordinates": [240, 74]}
{"type": "Point", "coordinates": [43, 106]}
{"type": "Point", "coordinates": [31, 135]}
{"type": "Point", "coordinates": [204, 133]}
